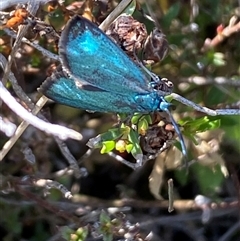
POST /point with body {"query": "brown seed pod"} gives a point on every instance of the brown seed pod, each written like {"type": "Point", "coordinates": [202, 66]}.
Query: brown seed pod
{"type": "Point", "coordinates": [156, 46]}
{"type": "Point", "coordinates": [128, 33]}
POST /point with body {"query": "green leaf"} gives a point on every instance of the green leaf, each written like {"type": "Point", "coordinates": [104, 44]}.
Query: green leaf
{"type": "Point", "coordinates": [104, 218]}
{"type": "Point", "coordinates": [148, 118]}
{"type": "Point", "coordinates": [181, 176]}
{"type": "Point", "coordinates": [82, 233]}
{"type": "Point", "coordinates": [215, 96]}
{"type": "Point", "coordinates": [142, 126]}
{"type": "Point", "coordinates": [136, 151]}
{"type": "Point", "coordinates": [135, 118]}
{"type": "Point", "coordinates": [110, 135]}
{"type": "Point", "coordinates": [130, 9]}
{"type": "Point", "coordinates": [138, 117]}
{"type": "Point", "coordinates": [106, 226]}
{"type": "Point", "coordinates": [113, 134]}
{"type": "Point", "coordinates": [172, 13]}
{"type": "Point", "coordinates": [107, 237]}
{"type": "Point", "coordinates": [129, 147]}
{"type": "Point", "coordinates": [107, 146]}
{"type": "Point", "coordinates": [66, 232]}
{"type": "Point", "coordinates": [168, 98]}
{"type": "Point", "coordinates": [209, 180]}
{"type": "Point", "coordinates": [202, 124]}
{"type": "Point", "coordinates": [35, 61]}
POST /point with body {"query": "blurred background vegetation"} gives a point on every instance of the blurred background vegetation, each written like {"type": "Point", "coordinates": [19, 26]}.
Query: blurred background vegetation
{"type": "Point", "coordinates": [112, 201]}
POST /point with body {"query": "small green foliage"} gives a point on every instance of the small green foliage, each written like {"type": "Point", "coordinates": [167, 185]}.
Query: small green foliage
{"type": "Point", "coordinates": [192, 126]}
{"type": "Point", "coordinates": [35, 61]}
{"type": "Point", "coordinates": [107, 146]}
{"type": "Point", "coordinates": [135, 118]}
{"type": "Point", "coordinates": [168, 98]}
{"type": "Point", "coordinates": [79, 235]}
{"type": "Point", "coordinates": [215, 58]}
{"type": "Point", "coordinates": [142, 126]}
{"type": "Point", "coordinates": [106, 227]}
{"type": "Point", "coordinates": [56, 18]}
{"type": "Point", "coordinates": [142, 122]}
{"type": "Point", "coordinates": [124, 138]}
{"type": "Point", "coordinates": [111, 135]}
{"type": "Point", "coordinates": [66, 232]}
{"type": "Point", "coordinates": [202, 124]}
{"type": "Point", "coordinates": [134, 139]}
{"type": "Point", "coordinates": [129, 147]}
{"type": "Point", "coordinates": [82, 233]}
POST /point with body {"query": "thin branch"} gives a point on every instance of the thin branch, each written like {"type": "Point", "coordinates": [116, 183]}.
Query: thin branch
{"type": "Point", "coordinates": [114, 14]}
{"type": "Point", "coordinates": [134, 166]}
{"type": "Point", "coordinates": [220, 80]}
{"type": "Point", "coordinates": [170, 195]}
{"type": "Point", "coordinates": [179, 205]}
{"type": "Point", "coordinates": [49, 184]}
{"type": "Point", "coordinates": [231, 232]}
{"type": "Point", "coordinates": [46, 205]}
{"type": "Point", "coordinates": [7, 127]}
{"type": "Point", "coordinates": [32, 8]}
{"type": "Point", "coordinates": [28, 155]}
{"type": "Point", "coordinates": [9, 3]}
{"type": "Point", "coordinates": [22, 95]}
{"type": "Point", "coordinates": [16, 87]}
{"type": "Point", "coordinates": [44, 51]}
{"type": "Point", "coordinates": [57, 130]}
{"type": "Point", "coordinates": [232, 28]}
{"type": "Point", "coordinates": [78, 172]}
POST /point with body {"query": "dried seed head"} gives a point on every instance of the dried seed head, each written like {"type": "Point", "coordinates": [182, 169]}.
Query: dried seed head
{"type": "Point", "coordinates": [158, 137]}
{"type": "Point", "coordinates": [156, 46]}
{"type": "Point", "coordinates": [132, 37]}
{"type": "Point", "coordinates": [128, 33]}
